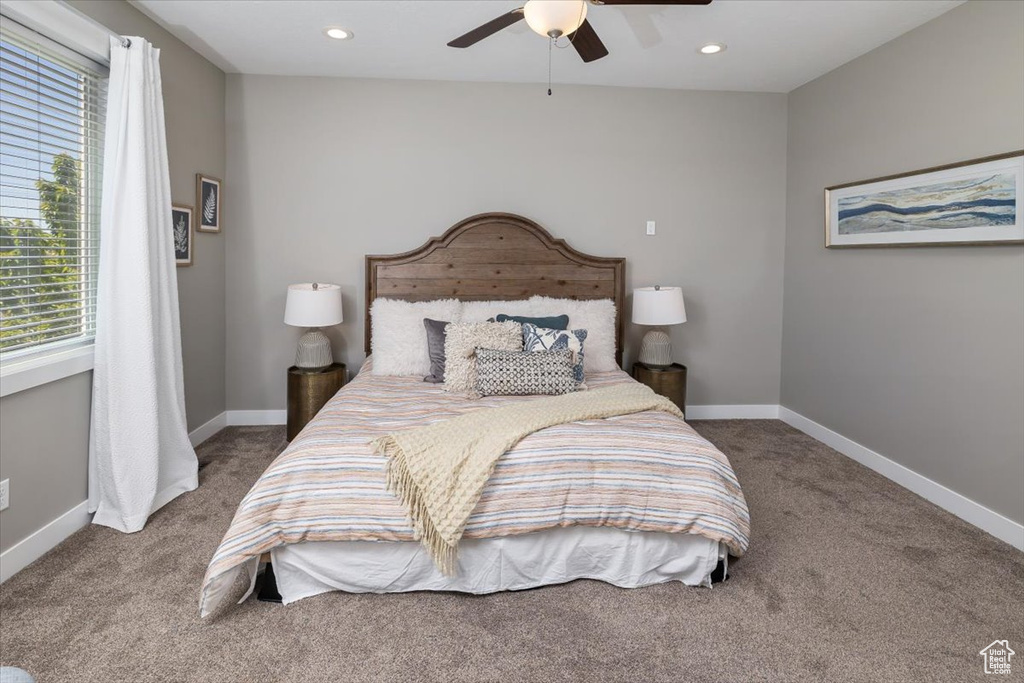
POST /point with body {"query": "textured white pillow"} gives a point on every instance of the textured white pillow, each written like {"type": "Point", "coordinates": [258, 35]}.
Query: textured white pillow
{"type": "Point", "coordinates": [480, 311]}
{"type": "Point", "coordinates": [399, 340]}
{"type": "Point", "coordinates": [596, 316]}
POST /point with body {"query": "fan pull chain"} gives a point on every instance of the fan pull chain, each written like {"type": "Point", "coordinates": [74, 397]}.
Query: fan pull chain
{"type": "Point", "coordinates": [551, 41]}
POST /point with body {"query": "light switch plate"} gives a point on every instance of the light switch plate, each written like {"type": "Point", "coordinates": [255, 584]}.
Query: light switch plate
{"type": "Point", "coordinates": [650, 227]}
{"type": "Point", "coordinates": [5, 494]}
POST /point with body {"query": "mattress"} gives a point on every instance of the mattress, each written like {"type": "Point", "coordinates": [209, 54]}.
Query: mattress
{"type": "Point", "coordinates": [638, 473]}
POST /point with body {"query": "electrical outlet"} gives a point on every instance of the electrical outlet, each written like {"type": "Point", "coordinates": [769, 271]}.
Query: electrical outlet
{"type": "Point", "coordinates": [5, 494]}
{"type": "Point", "coordinates": [650, 227]}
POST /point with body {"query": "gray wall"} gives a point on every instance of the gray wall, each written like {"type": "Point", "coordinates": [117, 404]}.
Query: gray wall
{"type": "Point", "coordinates": [47, 466]}
{"type": "Point", "coordinates": [915, 352]}
{"type": "Point", "coordinates": [325, 171]}
{"type": "Point", "coordinates": [44, 451]}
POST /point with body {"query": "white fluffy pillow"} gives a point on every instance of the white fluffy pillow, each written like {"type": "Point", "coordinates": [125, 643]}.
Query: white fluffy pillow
{"type": "Point", "coordinates": [597, 317]}
{"type": "Point", "coordinates": [399, 340]}
{"type": "Point", "coordinates": [480, 311]}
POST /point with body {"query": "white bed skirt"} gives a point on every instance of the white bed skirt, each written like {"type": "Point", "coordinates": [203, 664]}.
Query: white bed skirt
{"type": "Point", "coordinates": [622, 558]}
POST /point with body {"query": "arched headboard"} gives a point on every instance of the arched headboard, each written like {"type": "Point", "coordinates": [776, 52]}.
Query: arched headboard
{"type": "Point", "coordinates": [496, 256]}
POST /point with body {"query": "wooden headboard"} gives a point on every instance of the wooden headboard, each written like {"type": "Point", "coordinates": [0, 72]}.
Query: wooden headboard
{"type": "Point", "coordinates": [496, 256]}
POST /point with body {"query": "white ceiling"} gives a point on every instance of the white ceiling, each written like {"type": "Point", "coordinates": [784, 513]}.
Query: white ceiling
{"type": "Point", "coordinates": [773, 45]}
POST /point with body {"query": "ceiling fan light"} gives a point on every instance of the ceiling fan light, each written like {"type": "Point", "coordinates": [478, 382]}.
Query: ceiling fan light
{"type": "Point", "coordinates": [554, 18]}
{"type": "Point", "coordinates": [338, 33]}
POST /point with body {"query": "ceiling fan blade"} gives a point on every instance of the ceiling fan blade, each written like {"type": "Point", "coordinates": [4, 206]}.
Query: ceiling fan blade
{"type": "Point", "coordinates": [651, 2]}
{"type": "Point", "coordinates": [488, 29]}
{"type": "Point", "coordinates": [586, 42]}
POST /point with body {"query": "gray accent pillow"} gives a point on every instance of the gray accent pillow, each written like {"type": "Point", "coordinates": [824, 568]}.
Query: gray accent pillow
{"type": "Point", "coordinates": [554, 322]}
{"type": "Point", "coordinates": [522, 373]}
{"type": "Point", "coordinates": [435, 349]}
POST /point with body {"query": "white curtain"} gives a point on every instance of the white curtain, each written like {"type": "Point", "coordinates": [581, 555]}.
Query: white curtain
{"type": "Point", "coordinates": [140, 457]}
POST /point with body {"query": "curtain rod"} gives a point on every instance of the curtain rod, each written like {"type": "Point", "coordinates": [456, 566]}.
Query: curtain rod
{"type": "Point", "coordinates": [79, 32]}
{"type": "Point", "coordinates": [125, 42]}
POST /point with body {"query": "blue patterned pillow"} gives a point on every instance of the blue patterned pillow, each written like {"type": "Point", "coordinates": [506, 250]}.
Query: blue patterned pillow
{"type": "Point", "coordinates": [543, 339]}
{"type": "Point", "coordinates": [552, 322]}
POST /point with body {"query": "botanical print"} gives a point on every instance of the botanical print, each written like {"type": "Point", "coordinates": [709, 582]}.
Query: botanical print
{"type": "Point", "coordinates": [181, 223]}
{"type": "Point", "coordinates": [209, 204]}
{"type": "Point", "coordinates": [208, 199]}
{"type": "Point", "coordinates": [990, 200]}
{"type": "Point", "coordinates": [972, 202]}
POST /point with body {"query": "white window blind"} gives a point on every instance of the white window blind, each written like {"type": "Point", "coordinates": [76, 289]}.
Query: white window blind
{"type": "Point", "coordinates": [52, 106]}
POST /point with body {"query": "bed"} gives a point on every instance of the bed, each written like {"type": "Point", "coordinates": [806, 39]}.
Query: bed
{"type": "Point", "coordinates": [632, 500]}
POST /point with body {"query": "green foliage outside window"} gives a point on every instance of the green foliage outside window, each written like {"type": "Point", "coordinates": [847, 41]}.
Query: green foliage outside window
{"type": "Point", "coordinates": [41, 266]}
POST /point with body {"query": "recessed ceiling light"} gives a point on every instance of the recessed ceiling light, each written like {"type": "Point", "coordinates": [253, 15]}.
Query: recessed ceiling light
{"type": "Point", "coordinates": [338, 33]}
{"type": "Point", "coordinates": [712, 48]}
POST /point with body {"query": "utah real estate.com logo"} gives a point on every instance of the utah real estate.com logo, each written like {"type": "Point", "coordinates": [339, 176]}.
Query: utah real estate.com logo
{"type": "Point", "coordinates": [997, 657]}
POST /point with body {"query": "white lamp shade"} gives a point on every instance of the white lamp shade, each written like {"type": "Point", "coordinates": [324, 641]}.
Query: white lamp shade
{"type": "Point", "coordinates": [561, 16]}
{"type": "Point", "coordinates": [313, 305]}
{"type": "Point", "coordinates": [658, 306]}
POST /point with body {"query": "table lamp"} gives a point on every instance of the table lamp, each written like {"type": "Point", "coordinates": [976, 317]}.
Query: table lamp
{"type": "Point", "coordinates": [658, 306]}
{"type": "Point", "coordinates": [313, 305]}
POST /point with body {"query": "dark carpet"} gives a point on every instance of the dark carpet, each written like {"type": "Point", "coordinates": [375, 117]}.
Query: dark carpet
{"type": "Point", "coordinates": [848, 578]}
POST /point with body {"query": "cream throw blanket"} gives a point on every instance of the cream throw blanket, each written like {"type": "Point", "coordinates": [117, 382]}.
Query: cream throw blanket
{"type": "Point", "coordinates": [439, 471]}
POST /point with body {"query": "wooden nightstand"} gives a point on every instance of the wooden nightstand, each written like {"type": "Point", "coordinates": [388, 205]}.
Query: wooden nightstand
{"type": "Point", "coordinates": [670, 382]}
{"type": "Point", "coordinates": [308, 391]}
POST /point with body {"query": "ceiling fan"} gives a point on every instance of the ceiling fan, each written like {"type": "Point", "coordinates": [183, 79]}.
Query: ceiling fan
{"type": "Point", "coordinates": [556, 18]}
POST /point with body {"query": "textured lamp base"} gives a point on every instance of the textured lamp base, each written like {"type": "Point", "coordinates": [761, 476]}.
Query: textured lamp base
{"type": "Point", "coordinates": [656, 349]}
{"type": "Point", "coordinates": [314, 350]}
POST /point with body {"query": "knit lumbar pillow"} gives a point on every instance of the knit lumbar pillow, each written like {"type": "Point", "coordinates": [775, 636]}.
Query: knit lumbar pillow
{"type": "Point", "coordinates": [541, 339]}
{"type": "Point", "coordinates": [520, 373]}
{"type": "Point", "coordinates": [460, 344]}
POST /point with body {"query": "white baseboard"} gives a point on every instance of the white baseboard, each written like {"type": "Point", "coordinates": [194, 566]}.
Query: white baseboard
{"type": "Point", "coordinates": [966, 509]}
{"type": "Point", "coordinates": [205, 431]}
{"type": "Point", "coordinates": [733, 412]}
{"type": "Point", "coordinates": [29, 549]}
{"type": "Point", "coordinates": [238, 418]}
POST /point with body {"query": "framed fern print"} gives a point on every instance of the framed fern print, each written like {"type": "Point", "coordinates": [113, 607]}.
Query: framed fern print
{"type": "Point", "coordinates": [181, 224]}
{"type": "Point", "coordinates": [208, 203]}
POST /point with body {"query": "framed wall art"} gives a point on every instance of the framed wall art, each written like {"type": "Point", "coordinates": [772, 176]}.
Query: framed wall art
{"type": "Point", "coordinates": [208, 200]}
{"type": "Point", "coordinates": [971, 202]}
{"type": "Point", "coordinates": [181, 222]}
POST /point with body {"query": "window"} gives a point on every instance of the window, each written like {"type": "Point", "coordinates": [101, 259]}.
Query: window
{"type": "Point", "coordinates": [52, 105]}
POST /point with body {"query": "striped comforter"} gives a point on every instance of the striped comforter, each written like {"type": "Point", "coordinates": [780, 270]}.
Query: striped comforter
{"type": "Point", "coordinates": [642, 472]}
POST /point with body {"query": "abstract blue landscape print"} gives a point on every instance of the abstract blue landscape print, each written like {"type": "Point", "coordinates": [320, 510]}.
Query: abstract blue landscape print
{"type": "Point", "coordinates": [989, 200]}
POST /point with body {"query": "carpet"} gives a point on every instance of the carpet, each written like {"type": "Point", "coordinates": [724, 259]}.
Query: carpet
{"type": "Point", "coordinates": [849, 578]}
